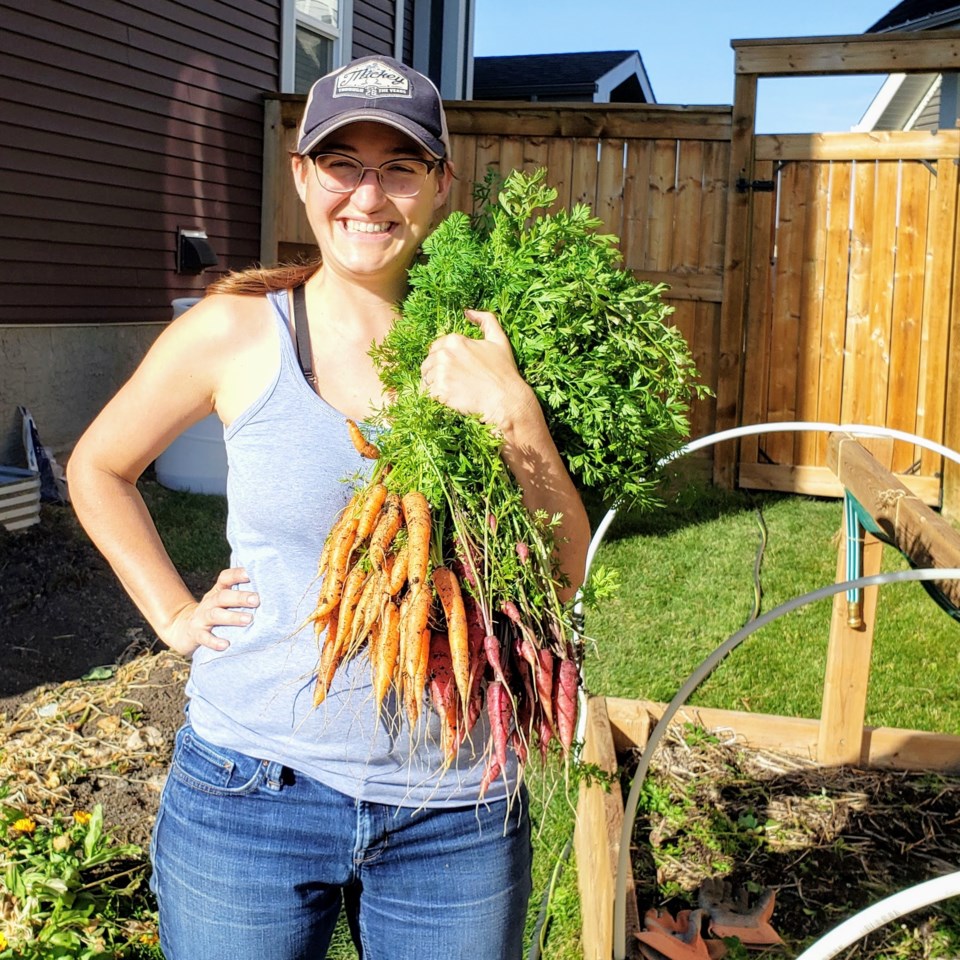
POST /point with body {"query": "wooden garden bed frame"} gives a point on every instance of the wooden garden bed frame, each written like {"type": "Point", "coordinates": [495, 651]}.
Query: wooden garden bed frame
{"type": "Point", "coordinates": [614, 726]}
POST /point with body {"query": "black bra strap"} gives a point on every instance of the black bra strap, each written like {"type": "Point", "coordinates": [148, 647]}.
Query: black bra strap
{"type": "Point", "coordinates": [302, 327]}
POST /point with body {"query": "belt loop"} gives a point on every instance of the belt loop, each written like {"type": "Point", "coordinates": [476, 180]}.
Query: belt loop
{"type": "Point", "coordinates": [274, 775]}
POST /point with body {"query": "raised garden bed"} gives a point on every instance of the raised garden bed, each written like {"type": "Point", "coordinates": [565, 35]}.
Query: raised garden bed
{"type": "Point", "coordinates": [726, 800]}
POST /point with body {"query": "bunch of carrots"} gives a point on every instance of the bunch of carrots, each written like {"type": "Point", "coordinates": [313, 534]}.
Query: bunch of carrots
{"type": "Point", "coordinates": [427, 636]}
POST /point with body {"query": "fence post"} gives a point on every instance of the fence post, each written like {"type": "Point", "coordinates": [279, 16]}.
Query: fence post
{"type": "Point", "coordinates": [733, 306]}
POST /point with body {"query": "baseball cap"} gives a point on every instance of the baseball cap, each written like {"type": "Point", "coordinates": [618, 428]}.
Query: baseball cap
{"type": "Point", "coordinates": [380, 89]}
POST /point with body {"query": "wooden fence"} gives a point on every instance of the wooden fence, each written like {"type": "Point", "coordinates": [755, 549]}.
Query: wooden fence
{"type": "Point", "coordinates": [828, 296]}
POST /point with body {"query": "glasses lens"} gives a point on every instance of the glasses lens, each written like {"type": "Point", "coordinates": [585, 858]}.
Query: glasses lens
{"type": "Point", "coordinates": [403, 178]}
{"type": "Point", "coordinates": [336, 173]}
{"type": "Point", "coordinates": [398, 178]}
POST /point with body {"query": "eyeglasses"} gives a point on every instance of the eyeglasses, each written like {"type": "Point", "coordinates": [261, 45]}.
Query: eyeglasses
{"type": "Point", "coordinates": [398, 178]}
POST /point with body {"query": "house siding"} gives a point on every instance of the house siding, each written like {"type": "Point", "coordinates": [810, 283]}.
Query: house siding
{"type": "Point", "coordinates": [123, 120]}
{"type": "Point", "coordinates": [373, 27]}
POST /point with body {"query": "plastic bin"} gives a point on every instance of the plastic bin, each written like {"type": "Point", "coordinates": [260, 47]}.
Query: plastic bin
{"type": "Point", "coordinates": [196, 461]}
{"type": "Point", "coordinates": [19, 498]}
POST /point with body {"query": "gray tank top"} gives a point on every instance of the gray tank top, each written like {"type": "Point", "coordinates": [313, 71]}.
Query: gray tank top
{"type": "Point", "coordinates": [288, 456]}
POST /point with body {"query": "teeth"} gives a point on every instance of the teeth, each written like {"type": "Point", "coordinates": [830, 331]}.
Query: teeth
{"type": "Point", "coordinates": [363, 226]}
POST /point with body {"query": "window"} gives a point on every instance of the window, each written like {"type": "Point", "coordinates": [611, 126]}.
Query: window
{"type": "Point", "coordinates": [313, 41]}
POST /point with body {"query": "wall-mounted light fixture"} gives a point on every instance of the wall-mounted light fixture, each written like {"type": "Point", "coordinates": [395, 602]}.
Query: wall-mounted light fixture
{"type": "Point", "coordinates": [194, 253]}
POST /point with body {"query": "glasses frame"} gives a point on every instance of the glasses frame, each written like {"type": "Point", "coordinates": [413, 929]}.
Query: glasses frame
{"type": "Point", "coordinates": [431, 165]}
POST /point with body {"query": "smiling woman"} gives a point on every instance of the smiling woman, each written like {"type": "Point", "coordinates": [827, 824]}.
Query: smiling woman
{"type": "Point", "coordinates": [279, 811]}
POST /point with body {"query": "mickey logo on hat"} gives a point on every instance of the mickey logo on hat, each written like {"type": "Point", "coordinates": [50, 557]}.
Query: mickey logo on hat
{"type": "Point", "coordinates": [370, 80]}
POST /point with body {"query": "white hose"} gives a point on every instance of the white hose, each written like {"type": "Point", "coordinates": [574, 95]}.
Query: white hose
{"type": "Point", "coordinates": [875, 916]}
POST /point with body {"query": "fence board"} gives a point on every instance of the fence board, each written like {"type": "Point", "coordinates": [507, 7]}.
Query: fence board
{"type": "Point", "coordinates": [583, 180]}
{"type": "Point", "coordinates": [857, 346]}
{"type": "Point", "coordinates": [636, 191]}
{"type": "Point", "coordinates": [685, 246]}
{"type": "Point", "coordinates": [609, 198]}
{"type": "Point", "coordinates": [907, 308]}
{"type": "Point", "coordinates": [782, 392]}
{"type": "Point", "coordinates": [835, 279]}
{"type": "Point", "coordinates": [560, 168]}
{"type": "Point", "coordinates": [758, 308]}
{"type": "Point", "coordinates": [660, 223]}
{"type": "Point", "coordinates": [811, 310]}
{"type": "Point", "coordinates": [938, 285]}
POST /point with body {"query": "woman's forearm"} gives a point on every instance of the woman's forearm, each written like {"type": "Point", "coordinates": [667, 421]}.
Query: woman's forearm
{"type": "Point", "coordinates": [115, 517]}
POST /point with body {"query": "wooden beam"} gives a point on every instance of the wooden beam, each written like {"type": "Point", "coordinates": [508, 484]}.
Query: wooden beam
{"type": "Point", "coordinates": [922, 52]}
{"type": "Point", "coordinates": [702, 287]}
{"type": "Point", "coordinates": [886, 747]}
{"type": "Point", "coordinates": [596, 838]}
{"type": "Point", "coordinates": [876, 145]}
{"type": "Point", "coordinates": [735, 273]}
{"type": "Point", "coordinates": [919, 533]}
{"type": "Point", "coordinates": [840, 739]}
{"type": "Point", "coordinates": [517, 118]}
{"type": "Point", "coordinates": [821, 481]}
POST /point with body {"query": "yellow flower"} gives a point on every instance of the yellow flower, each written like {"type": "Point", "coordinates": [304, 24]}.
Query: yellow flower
{"type": "Point", "coordinates": [151, 939]}
{"type": "Point", "coordinates": [25, 825]}
{"type": "Point", "coordinates": [81, 817]}
{"type": "Point", "coordinates": [3, 942]}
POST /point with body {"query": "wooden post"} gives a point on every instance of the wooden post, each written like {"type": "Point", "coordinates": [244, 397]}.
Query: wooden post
{"type": "Point", "coordinates": [840, 741]}
{"type": "Point", "coordinates": [270, 197]}
{"type": "Point", "coordinates": [735, 270]}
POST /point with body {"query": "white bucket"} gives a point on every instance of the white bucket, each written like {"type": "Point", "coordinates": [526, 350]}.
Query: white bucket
{"type": "Point", "coordinates": [196, 461]}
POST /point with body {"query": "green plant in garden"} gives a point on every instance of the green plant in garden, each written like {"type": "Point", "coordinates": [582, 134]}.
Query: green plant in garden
{"type": "Point", "coordinates": [68, 891]}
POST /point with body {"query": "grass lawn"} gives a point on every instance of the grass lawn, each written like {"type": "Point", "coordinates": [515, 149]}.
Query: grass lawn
{"type": "Point", "coordinates": [687, 576]}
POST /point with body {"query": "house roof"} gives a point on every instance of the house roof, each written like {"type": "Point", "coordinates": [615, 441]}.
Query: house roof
{"type": "Point", "coordinates": [557, 75]}
{"type": "Point", "coordinates": [917, 15]}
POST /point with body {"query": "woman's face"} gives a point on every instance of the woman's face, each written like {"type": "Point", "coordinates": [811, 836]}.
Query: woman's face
{"type": "Point", "coordinates": [366, 235]}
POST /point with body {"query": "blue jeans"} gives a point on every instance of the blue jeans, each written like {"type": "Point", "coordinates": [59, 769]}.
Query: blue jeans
{"type": "Point", "coordinates": [252, 861]}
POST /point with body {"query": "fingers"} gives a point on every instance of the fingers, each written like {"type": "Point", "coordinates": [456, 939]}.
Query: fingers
{"type": "Point", "coordinates": [221, 605]}
{"type": "Point", "coordinates": [488, 323]}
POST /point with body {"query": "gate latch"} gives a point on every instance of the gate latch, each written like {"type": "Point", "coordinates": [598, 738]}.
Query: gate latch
{"type": "Point", "coordinates": [760, 186]}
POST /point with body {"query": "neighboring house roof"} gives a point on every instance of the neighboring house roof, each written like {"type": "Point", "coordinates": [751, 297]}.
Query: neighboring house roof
{"type": "Point", "coordinates": [609, 76]}
{"type": "Point", "coordinates": [919, 100]}
{"type": "Point", "coordinates": [917, 15]}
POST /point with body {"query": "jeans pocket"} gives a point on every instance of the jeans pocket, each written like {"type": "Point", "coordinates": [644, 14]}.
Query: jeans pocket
{"type": "Point", "coordinates": [214, 770]}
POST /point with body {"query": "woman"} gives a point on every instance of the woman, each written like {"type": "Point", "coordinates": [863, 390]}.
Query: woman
{"type": "Point", "coordinates": [276, 813]}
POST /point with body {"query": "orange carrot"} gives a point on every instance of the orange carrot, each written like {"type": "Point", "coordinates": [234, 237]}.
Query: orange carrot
{"type": "Point", "coordinates": [416, 513]}
{"type": "Point", "coordinates": [335, 530]}
{"type": "Point", "coordinates": [388, 647]}
{"type": "Point", "coordinates": [352, 588]}
{"type": "Point", "coordinates": [362, 445]}
{"type": "Point", "coordinates": [329, 661]}
{"type": "Point", "coordinates": [451, 599]}
{"type": "Point", "coordinates": [443, 691]}
{"type": "Point", "coordinates": [391, 519]}
{"type": "Point", "coordinates": [367, 612]}
{"type": "Point", "coordinates": [370, 510]}
{"type": "Point", "coordinates": [412, 628]}
{"type": "Point", "coordinates": [543, 677]}
{"type": "Point", "coordinates": [337, 572]}
{"type": "Point", "coordinates": [398, 572]}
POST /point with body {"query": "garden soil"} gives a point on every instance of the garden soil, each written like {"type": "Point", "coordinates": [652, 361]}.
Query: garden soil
{"type": "Point", "coordinates": [89, 704]}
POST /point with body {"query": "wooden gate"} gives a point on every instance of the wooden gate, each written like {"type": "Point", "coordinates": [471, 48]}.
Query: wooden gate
{"type": "Point", "coordinates": [841, 258]}
{"type": "Point", "coordinates": [851, 254]}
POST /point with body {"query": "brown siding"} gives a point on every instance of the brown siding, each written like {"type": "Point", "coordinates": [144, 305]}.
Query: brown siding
{"type": "Point", "coordinates": [123, 120]}
{"type": "Point", "coordinates": [373, 23]}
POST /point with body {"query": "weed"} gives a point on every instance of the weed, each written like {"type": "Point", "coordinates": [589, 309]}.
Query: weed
{"type": "Point", "coordinates": [67, 890]}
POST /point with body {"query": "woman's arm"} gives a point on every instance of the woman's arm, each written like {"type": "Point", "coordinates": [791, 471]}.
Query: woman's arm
{"type": "Point", "coordinates": [481, 377]}
{"type": "Point", "coordinates": [174, 387]}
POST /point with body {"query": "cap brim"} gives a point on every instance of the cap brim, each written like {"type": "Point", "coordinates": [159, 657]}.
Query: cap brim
{"type": "Point", "coordinates": [436, 148]}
